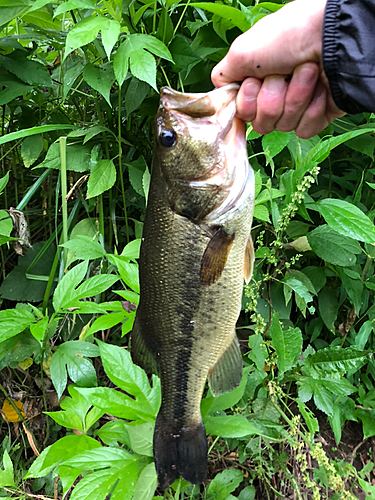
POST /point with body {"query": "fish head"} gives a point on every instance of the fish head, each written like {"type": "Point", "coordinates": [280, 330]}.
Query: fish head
{"type": "Point", "coordinates": [197, 142]}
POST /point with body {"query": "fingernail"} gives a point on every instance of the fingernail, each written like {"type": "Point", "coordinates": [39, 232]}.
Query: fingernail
{"type": "Point", "coordinates": [250, 91]}
{"type": "Point", "coordinates": [275, 85]}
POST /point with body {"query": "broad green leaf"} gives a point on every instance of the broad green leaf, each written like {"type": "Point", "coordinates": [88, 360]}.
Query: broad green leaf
{"type": "Point", "coordinates": [29, 71]}
{"type": "Point", "coordinates": [258, 351]}
{"type": "Point", "coordinates": [128, 271]}
{"type": "Point", "coordinates": [3, 182]}
{"type": "Point", "coordinates": [31, 148]}
{"type": "Point", "coordinates": [64, 290]}
{"type": "Point", "coordinates": [335, 359]}
{"type": "Point", "coordinates": [117, 404]}
{"type": "Point", "coordinates": [328, 307]}
{"type": "Point", "coordinates": [10, 9]}
{"type": "Point", "coordinates": [130, 378]}
{"type": "Point", "coordinates": [223, 484]}
{"type": "Point", "coordinates": [9, 93]}
{"type": "Point", "coordinates": [362, 336]}
{"type": "Point", "coordinates": [136, 170]}
{"type": "Point", "coordinates": [94, 286]}
{"type": "Point", "coordinates": [248, 493]}
{"type": "Point", "coordinates": [275, 142]}
{"type": "Point", "coordinates": [85, 227]}
{"type": "Point", "coordinates": [141, 437]}
{"type": "Point", "coordinates": [231, 426]}
{"type": "Point", "coordinates": [77, 157]}
{"type": "Point", "coordinates": [288, 344]}
{"type": "Point", "coordinates": [107, 321]}
{"type": "Point", "coordinates": [132, 53]}
{"type": "Point", "coordinates": [74, 4]}
{"type": "Point", "coordinates": [100, 79]}
{"type": "Point", "coordinates": [135, 94]}
{"type": "Point", "coordinates": [353, 288]}
{"type": "Point", "coordinates": [368, 421]}
{"type": "Point", "coordinates": [101, 458]}
{"type": "Point", "coordinates": [39, 328]}
{"type": "Point", "coordinates": [86, 31]}
{"type": "Point", "coordinates": [59, 376]}
{"type": "Point", "coordinates": [7, 473]}
{"type": "Point", "coordinates": [146, 484]}
{"type": "Point", "coordinates": [113, 432]}
{"type": "Point", "coordinates": [84, 248]}
{"type": "Point", "coordinates": [261, 213]}
{"type": "Point", "coordinates": [236, 16]}
{"type": "Point", "coordinates": [62, 450]}
{"type": "Point", "coordinates": [14, 321]}
{"type": "Point", "coordinates": [27, 132]}
{"type": "Point", "coordinates": [131, 250]}
{"type": "Point", "coordinates": [102, 178]}
{"type": "Point", "coordinates": [333, 247]}
{"type": "Point", "coordinates": [71, 75]}
{"type": "Point", "coordinates": [210, 405]}
{"type": "Point", "coordinates": [347, 219]}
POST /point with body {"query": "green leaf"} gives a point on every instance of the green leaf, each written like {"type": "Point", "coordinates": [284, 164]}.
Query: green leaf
{"type": "Point", "coordinates": [248, 493]}
{"type": "Point", "coordinates": [62, 450]}
{"type": "Point", "coordinates": [333, 247]}
{"type": "Point", "coordinates": [107, 321]}
{"type": "Point", "coordinates": [27, 132]}
{"type": "Point", "coordinates": [74, 4]}
{"type": "Point", "coordinates": [141, 437]}
{"type": "Point", "coordinates": [100, 458]}
{"type": "Point", "coordinates": [94, 286]}
{"type": "Point", "coordinates": [7, 474]}
{"type": "Point", "coordinates": [335, 359]}
{"type": "Point", "coordinates": [102, 178]}
{"type": "Point", "coordinates": [29, 71]}
{"type": "Point", "coordinates": [132, 53]}
{"type": "Point", "coordinates": [39, 328]}
{"type": "Point", "coordinates": [31, 148]}
{"type": "Point", "coordinates": [130, 378]}
{"type": "Point", "coordinates": [77, 157]}
{"type": "Point", "coordinates": [347, 219]}
{"type": "Point", "coordinates": [14, 321]}
{"type": "Point", "coordinates": [84, 248]}
{"type": "Point", "coordinates": [146, 484]}
{"type": "Point", "coordinates": [113, 432]}
{"type": "Point", "coordinates": [288, 344]}
{"type": "Point", "coordinates": [136, 170]}
{"type": "Point", "coordinates": [275, 142]}
{"type": "Point", "coordinates": [132, 249]}
{"type": "Point", "coordinates": [308, 416]}
{"type": "Point", "coordinates": [100, 79]}
{"type": "Point", "coordinates": [261, 213]}
{"type": "Point", "coordinates": [236, 16]}
{"type": "Point", "coordinates": [10, 9]}
{"type": "Point", "coordinates": [69, 356]}
{"type": "Point", "coordinates": [63, 292]}
{"type": "Point", "coordinates": [3, 182]}
{"type": "Point", "coordinates": [231, 426]}
{"type": "Point", "coordinates": [223, 484]}
{"type": "Point", "coordinates": [210, 405]}
{"type": "Point", "coordinates": [128, 271]}
{"type": "Point", "coordinates": [135, 94]}
{"type": "Point", "coordinates": [328, 307]}
{"type": "Point", "coordinates": [362, 336]}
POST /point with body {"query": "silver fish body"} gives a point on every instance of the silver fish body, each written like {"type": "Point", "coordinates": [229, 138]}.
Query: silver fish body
{"type": "Point", "coordinates": [196, 252]}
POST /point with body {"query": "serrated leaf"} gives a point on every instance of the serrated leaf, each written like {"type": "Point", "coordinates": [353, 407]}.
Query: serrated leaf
{"type": "Point", "coordinates": [29, 71]}
{"type": "Point", "coordinates": [14, 321]}
{"type": "Point", "coordinates": [275, 142]}
{"type": "Point", "coordinates": [62, 450]}
{"type": "Point", "coordinates": [100, 79]}
{"type": "Point", "coordinates": [308, 416]}
{"type": "Point", "coordinates": [63, 292]}
{"type": "Point", "coordinates": [102, 178]}
{"type": "Point", "coordinates": [335, 359]}
{"type": "Point", "coordinates": [7, 474]}
{"type": "Point", "coordinates": [84, 248]}
{"type": "Point", "coordinates": [347, 219]}
{"type": "Point", "coordinates": [236, 16]}
{"type": "Point", "coordinates": [288, 344]}
{"type": "Point", "coordinates": [333, 247]}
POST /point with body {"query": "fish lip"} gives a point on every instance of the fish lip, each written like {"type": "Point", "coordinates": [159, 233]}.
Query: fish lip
{"type": "Point", "coordinates": [198, 105]}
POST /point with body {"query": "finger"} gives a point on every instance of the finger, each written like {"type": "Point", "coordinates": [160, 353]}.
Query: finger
{"type": "Point", "coordinates": [314, 119]}
{"type": "Point", "coordinates": [270, 103]}
{"type": "Point", "coordinates": [247, 99]}
{"type": "Point", "coordinates": [299, 94]}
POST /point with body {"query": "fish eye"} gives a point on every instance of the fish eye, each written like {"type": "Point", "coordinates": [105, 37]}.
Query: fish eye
{"type": "Point", "coordinates": [168, 138]}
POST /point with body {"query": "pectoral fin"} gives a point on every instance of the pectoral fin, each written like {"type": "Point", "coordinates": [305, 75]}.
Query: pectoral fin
{"type": "Point", "coordinates": [140, 353]}
{"type": "Point", "coordinates": [249, 260]}
{"type": "Point", "coordinates": [215, 257]}
{"type": "Point", "coordinates": [227, 373]}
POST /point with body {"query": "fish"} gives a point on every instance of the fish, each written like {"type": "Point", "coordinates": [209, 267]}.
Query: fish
{"type": "Point", "coordinates": [196, 252]}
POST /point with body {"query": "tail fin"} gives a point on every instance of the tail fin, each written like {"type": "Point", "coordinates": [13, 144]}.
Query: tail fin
{"type": "Point", "coordinates": [179, 453]}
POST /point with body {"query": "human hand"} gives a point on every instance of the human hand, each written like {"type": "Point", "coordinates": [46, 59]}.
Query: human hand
{"type": "Point", "coordinates": [279, 62]}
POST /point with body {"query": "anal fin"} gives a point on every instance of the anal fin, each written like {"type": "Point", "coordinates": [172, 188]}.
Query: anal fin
{"type": "Point", "coordinates": [140, 353]}
{"type": "Point", "coordinates": [215, 257]}
{"type": "Point", "coordinates": [227, 373]}
{"type": "Point", "coordinates": [249, 260]}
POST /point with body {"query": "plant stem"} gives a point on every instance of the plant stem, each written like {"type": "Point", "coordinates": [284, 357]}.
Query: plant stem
{"type": "Point", "coordinates": [64, 202]}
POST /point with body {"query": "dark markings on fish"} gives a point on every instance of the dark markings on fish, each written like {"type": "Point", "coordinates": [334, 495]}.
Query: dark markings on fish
{"type": "Point", "coordinates": [215, 257]}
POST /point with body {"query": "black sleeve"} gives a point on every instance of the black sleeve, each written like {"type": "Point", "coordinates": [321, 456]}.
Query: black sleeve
{"type": "Point", "coordinates": [349, 53]}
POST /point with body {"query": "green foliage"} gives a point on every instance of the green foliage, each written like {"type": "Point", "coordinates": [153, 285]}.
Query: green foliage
{"type": "Point", "coordinates": [86, 74]}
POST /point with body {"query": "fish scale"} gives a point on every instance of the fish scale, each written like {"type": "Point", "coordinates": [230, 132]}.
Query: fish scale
{"type": "Point", "coordinates": [195, 253]}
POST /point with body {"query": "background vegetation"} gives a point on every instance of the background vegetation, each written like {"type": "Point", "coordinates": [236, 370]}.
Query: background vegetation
{"type": "Point", "coordinates": [78, 92]}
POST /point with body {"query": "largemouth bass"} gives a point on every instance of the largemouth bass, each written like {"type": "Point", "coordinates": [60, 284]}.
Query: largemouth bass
{"type": "Point", "coordinates": [196, 252]}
